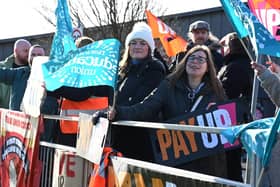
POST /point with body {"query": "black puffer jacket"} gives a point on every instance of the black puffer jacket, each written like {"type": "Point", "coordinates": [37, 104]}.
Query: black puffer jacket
{"type": "Point", "coordinates": [172, 101]}
{"type": "Point", "coordinates": [140, 81]}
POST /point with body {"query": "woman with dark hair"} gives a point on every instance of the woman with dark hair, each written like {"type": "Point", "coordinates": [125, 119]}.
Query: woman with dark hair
{"type": "Point", "coordinates": [193, 86]}
{"type": "Point", "coordinates": [236, 77]}
{"type": "Point", "coordinates": [139, 74]}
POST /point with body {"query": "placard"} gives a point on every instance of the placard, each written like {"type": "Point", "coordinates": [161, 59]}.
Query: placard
{"type": "Point", "coordinates": [172, 147]}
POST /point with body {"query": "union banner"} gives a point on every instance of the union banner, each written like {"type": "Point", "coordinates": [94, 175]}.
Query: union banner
{"type": "Point", "coordinates": [19, 144]}
{"type": "Point", "coordinates": [172, 147]}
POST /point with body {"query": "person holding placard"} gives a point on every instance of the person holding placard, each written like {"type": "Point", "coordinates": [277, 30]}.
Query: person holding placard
{"type": "Point", "coordinates": [193, 86]}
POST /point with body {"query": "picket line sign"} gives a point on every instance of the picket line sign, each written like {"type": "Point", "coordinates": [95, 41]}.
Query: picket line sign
{"type": "Point", "coordinates": [176, 172]}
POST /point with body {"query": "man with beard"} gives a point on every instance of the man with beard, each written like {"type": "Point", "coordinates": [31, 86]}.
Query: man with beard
{"type": "Point", "coordinates": [200, 34]}
{"type": "Point", "coordinates": [17, 59]}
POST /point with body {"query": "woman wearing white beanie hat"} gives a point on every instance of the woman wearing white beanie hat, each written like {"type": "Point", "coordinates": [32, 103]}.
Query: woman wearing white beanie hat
{"type": "Point", "coordinates": [139, 74]}
{"type": "Point", "coordinates": [141, 31]}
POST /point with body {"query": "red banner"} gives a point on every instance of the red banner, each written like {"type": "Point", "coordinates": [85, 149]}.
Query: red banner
{"type": "Point", "coordinates": [268, 13]}
{"type": "Point", "coordinates": [172, 43]}
{"type": "Point", "coordinates": [19, 142]}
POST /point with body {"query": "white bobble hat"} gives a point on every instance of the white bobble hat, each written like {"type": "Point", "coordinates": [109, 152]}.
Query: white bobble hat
{"type": "Point", "coordinates": [141, 31]}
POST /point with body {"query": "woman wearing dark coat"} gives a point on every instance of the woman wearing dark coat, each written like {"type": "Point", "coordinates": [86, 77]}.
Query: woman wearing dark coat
{"type": "Point", "coordinates": [139, 80]}
{"type": "Point", "coordinates": [237, 80]}
{"type": "Point", "coordinates": [140, 73]}
{"type": "Point", "coordinates": [194, 77]}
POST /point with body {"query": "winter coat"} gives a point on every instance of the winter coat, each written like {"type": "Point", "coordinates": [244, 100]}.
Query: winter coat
{"type": "Point", "coordinates": [271, 84]}
{"type": "Point", "coordinates": [237, 79]}
{"type": "Point", "coordinates": [17, 79]}
{"type": "Point", "coordinates": [139, 81]}
{"type": "Point", "coordinates": [173, 101]}
{"type": "Point", "coordinates": [4, 88]}
{"type": "Point", "coordinates": [237, 76]}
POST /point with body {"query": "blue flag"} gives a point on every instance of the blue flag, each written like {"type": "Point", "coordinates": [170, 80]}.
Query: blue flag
{"type": "Point", "coordinates": [92, 65]}
{"type": "Point", "coordinates": [246, 23]}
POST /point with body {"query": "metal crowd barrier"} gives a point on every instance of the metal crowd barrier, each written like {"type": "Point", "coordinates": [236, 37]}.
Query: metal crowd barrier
{"type": "Point", "coordinates": [47, 156]}
{"type": "Point", "coordinates": [193, 178]}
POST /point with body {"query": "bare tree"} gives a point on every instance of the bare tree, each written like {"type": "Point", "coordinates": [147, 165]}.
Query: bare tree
{"type": "Point", "coordinates": [110, 18]}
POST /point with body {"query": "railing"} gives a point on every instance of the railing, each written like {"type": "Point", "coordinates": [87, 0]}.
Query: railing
{"type": "Point", "coordinates": [252, 172]}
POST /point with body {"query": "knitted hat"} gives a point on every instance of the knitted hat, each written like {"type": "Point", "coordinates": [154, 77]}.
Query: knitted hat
{"type": "Point", "coordinates": [141, 31]}
{"type": "Point", "coordinates": [199, 25]}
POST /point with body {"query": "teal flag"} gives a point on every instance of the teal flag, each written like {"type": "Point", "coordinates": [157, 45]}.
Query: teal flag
{"type": "Point", "coordinates": [245, 23]}
{"type": "Point", "coordinates": [253, 135]}
{"type": "Point", "coordinates": [235, 20]}
{"type": "Point", "coordinates": [271, 139]}
{"type": "Point", "coordinates": [257, 137]}
{"type": "Point", "coordinates": [63, 41]}
{"type": "Point", "coordinates": [92, 65]}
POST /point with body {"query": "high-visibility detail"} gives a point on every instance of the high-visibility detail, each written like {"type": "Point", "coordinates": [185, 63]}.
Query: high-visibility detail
{"type": "Point", "coordinates": [73, 108]}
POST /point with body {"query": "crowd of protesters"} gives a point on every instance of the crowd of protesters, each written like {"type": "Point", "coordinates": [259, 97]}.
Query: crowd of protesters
{"type": "Point", "coordinates": [150, 89]}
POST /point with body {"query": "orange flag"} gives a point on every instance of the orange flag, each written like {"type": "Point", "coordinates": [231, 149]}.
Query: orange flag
{"type": "Point", "coordinates": [172, 43]}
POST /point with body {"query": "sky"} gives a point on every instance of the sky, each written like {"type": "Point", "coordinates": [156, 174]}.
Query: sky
{"type": "Point", "coordinates": [19, 18]}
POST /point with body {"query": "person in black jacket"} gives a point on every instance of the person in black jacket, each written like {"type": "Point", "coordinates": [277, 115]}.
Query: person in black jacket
{"type": "Point", "coordinates": [179, 94]}
{"type": "Point", "coordinates": [200, 34]}
{"type": "Point", "coordinates": [237, 79]}
{"type": "Point", "coordinates": [140, 73]}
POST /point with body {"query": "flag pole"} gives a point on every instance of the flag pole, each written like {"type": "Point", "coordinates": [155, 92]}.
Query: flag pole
{"type": "Point", "coordinates": [255, 92]}
{"type": "Point", "coordinates": [246, 49]}
{"type": "Point", "coordinates": [255, 89]}
{"type": "Point", "coordinates": [251, 176]}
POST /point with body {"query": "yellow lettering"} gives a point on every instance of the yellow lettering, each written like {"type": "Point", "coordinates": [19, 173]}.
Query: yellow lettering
{"type": "Point", "coordinates": [139, 181]}
{"type": "Point", "coordinates": [156, 182]}
{"type": "Point", "coordinates": [124, 179]}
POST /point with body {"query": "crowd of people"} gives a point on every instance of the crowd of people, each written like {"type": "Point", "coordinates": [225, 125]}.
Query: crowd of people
{"type": "Point", "coordinates": [150, 89]}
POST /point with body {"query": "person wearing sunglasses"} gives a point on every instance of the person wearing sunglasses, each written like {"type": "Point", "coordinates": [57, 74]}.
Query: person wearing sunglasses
{"type": "Point", "coordinates": [179, 94]}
